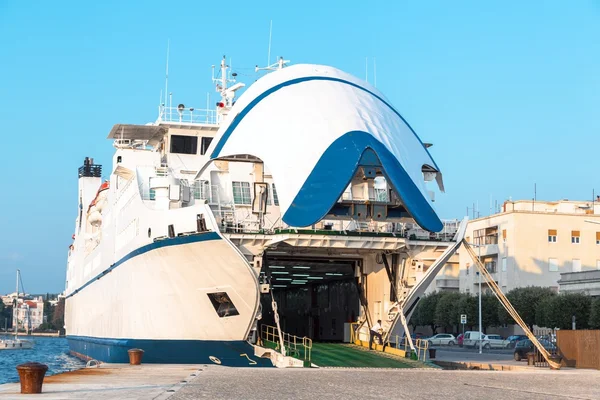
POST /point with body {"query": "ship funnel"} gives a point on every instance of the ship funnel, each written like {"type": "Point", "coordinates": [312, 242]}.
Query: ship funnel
{"type": "Point", "coordinates": [89, 169]}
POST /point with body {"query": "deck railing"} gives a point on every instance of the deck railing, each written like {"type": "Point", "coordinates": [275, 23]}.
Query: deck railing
{"type": "Point", "coordinates": [188, 115]}
{"type": "Point", "coordinates": [295, 346]}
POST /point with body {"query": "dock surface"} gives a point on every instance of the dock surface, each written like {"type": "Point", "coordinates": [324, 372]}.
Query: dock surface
{"type": "Point", "coordinates": [186, 382]}
{"type": "Point", "coordinates": [110, 381]}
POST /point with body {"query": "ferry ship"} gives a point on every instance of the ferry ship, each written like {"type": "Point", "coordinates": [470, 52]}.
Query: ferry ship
{"type": "Point", "coordinates": [172, 251]}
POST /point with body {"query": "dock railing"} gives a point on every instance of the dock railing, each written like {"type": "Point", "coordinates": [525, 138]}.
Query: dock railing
{"type": "Point", "coordinates": [295, 346]}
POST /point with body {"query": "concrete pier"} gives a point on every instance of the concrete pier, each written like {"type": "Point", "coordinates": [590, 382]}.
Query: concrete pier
{"type": "Point", "coordinates": [187, 382]}
{"type": "Point", "coordinates": [111, 381]}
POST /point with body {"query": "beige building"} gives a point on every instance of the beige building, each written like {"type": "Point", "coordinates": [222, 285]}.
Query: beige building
{"type": "Point", "coordinates": [530, 243]}
{"type": "Point", "coordinates": [29, 314]}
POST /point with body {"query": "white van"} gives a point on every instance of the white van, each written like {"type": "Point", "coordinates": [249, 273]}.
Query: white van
{"type": "Point", "coordinates": [471, 339]}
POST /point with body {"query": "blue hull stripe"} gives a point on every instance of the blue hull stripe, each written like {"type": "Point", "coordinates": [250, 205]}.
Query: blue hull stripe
{"type": "Point", "coordinates": [334, 171]}
{"type": "Point", "coordinates": [230, 353]}
{"type": "Point", "coordinates": [149, 247]}
{"type": "Point", "coordinates": [239, 117]}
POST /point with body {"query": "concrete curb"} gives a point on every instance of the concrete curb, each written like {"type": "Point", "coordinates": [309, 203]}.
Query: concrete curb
{"type": "Point", "coordinates": [467, 365]}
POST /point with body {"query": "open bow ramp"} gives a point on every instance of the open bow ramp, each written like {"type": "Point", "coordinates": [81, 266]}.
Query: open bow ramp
{"type": "Point", "coordinates": [314, 126]}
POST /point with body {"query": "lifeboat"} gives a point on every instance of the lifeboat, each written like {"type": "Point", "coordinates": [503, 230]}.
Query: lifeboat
{"type": "Point", "coordinates": [94, 214]}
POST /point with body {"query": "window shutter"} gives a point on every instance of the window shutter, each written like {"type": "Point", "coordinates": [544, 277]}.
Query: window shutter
{"type": "Point", "coordinates": [575, 233]}
{"type": "Point", "coordinates": [551, 232]}
{"type": "Point", "coordinates": [504, 234]}
{"type": "Point", "coordinates": [597, 235]}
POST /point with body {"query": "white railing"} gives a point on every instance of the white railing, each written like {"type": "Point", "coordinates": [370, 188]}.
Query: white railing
{"type": "Point", "coordinates": [187, 115]}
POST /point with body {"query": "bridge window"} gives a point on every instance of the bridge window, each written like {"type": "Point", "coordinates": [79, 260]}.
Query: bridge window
{"type": "Point", "coordinates": [184, 144]}
{"type": "Point", "coordinates": [223, 304]}
{"type": "Point", "coordinates": [275, 197]}
{"type": "Point", "coordinates": [241, 193]}
{"type": "Point", "coordinates": [205, 144]}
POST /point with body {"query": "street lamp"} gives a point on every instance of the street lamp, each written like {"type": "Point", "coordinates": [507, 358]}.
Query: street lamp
{"type": "Point", "coordinates": [479, 246]}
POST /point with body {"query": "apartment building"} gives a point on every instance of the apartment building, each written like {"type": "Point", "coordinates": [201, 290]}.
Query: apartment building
{"type": "Point", "coordinates": [530, 243]}
{"type": "Point", "coordinates": [29, 314]}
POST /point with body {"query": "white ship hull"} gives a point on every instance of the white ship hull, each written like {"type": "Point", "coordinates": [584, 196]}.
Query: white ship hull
{"type": "Point", "coordinates": [156, 298]}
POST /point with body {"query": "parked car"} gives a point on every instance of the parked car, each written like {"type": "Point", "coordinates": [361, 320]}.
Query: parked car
{"type": "Point", "coordinates": [494, 342]}
{"type": "Point", "coordinates": [471, 339]}
{"type": "Point", "coordinates": [443, 339]}
{"type": "Point", "coordinates": [459, 339]}
{"type": "Point", "coordinates": [526, 346]}
{"type": "Point", "coordinates": [512, 340]}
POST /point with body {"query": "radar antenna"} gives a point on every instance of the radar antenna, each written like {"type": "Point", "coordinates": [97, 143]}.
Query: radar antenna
{"type": "Point", "coordinates": [274, 67]}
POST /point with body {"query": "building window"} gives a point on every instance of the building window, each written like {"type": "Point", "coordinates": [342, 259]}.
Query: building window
{"type": "Point", "coordinates": [241, 193]}
{"type": "Point", "coordinates": [504, 235]}
{"type": "Point", "coordinates": [574, 236]}
{"type": "Point", "coordinates": [223, 304]}
{"type": "Point", "coordinates": [468, 268]}
{"type": "Point", "coordinates": [576, 265]}
{"type": "Point", "coordinates": [490, 266]}
{"type": "Point", "coordinates": [552, 235]}
{"type": "Point", "coordinates": [205, 144]}
{"type": "Point", "coordinates": [184, 144]}
{"type": "Point", "coordinates": [275, 197]}
{"type": "Point", "coordinates": [503, 264]}
{"type": "Point", "coordinates": [486, 236]}
{"type": "Point", "coordinates": [552, 264]}
{"type": "Point", "coordinates": [597, 237]}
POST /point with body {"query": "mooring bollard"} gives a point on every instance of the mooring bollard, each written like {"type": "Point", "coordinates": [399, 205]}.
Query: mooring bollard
{"type": "Point", "coordinates": [31, 376]}
{"type": "Point", "coordinates": [135, 356]}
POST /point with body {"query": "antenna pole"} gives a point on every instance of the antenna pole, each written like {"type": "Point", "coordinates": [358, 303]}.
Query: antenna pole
{"type": "Point", "coordinates": [167, 73]}
{"type": "Point", "coordinates": [223, 75]}
{"type": "Point", "coordinates": [16, 322]}
{"type": "Point", "coordinates": [270, 34]}
{"type": "Point", "coordinates": [374, 71]}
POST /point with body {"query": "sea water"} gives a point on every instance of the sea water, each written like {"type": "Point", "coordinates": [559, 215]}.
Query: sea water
{"type": "Point", "coordinates": [51, 351]}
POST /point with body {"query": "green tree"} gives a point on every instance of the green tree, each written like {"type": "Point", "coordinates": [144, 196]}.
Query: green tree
{"type": "Point", "coordinates": [446, 310]}
{"type": "Point", "coordinates": [543, 313]}
{"type": "Point", "coordinates": [559, 311]}
{"type": "Point", "coordinates": [427, 307]}
{"type": "Point", "coordinates": [48, 311]}
{"type": "Point", "coordinates": [595, 314]}
{"type": "Point", "coordinates": [58, 316]}
{"type": "Point", "coordinates": [489, 311]}
{"type": "Point", "coordinates": [415, 318]}
{"type": "Point", "coordinates": [525, 301]}
{"type": "Point", "coordinates": [468, 305]}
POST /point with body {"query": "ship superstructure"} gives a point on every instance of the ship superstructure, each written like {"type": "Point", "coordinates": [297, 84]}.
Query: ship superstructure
{"type": "Point", "coordinates": [170, 252]}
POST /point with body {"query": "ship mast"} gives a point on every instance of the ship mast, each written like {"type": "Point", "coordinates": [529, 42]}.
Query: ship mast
{"type": "Point", "coordinates": [16, 309]}
{"type": "Point", "coordinates": [227, 92]}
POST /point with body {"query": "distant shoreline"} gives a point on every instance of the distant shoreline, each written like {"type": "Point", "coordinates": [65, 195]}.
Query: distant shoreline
{"type": "Point", "coordinates": [43, 334]}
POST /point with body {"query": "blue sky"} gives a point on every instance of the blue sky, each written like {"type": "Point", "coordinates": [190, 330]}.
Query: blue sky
{"type": "Point", "coordinates": [508, 93]}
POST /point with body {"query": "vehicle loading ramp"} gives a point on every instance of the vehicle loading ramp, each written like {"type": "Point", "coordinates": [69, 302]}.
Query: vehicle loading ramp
{"type": "Point", "coordinates": [328, 355]}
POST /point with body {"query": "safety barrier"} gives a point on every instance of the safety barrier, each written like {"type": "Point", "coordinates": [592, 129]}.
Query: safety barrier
{"type": "Point", "coordinates": [295, 346]}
